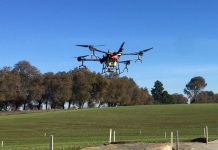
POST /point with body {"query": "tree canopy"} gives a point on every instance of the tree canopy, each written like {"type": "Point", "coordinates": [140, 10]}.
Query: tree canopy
{"type": "Point", "coordinates": [194, 87]}
{"type": "Point", "coordinates": [157, 92]}
{"type": "Point", "coordinates": [23, 86]}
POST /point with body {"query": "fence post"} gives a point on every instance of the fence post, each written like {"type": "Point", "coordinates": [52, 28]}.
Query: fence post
{"type": "Point", "coordinates": [165, 135]}
{"type": "Point", "coordinates": [110, 136]}
{"type": "Point", "coordinates": [206, 134]}
{"type": "Point", "coordinates": [51, 142]}
{"type": "Point", "coordinates": [172, 140]}
{"type": "Point", "coordinates": [2, 144]}
{"type": "Point", "coordinates": [177, 140]}
{"type": "Point", "coordinates": [114, 136]}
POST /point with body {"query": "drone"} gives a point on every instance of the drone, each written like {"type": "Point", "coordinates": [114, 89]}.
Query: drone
{"type": "Point", "coordinates": [110, 60]}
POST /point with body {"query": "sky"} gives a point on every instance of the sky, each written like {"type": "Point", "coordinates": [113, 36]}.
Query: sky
{"type": "Point", "coordinates": [183, 33]}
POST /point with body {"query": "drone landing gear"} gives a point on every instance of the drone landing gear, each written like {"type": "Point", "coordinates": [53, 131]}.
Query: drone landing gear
{"type": "Point", "coordinates": [138, 59]}
{"type": "Point", "coordinates": [126, 68]}
{"type": "Point", "coordinates": [82, 66]}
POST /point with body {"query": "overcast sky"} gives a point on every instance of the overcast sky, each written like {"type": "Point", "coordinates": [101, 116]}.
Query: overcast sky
{"type": "Point", "coordinates": [184, 34]}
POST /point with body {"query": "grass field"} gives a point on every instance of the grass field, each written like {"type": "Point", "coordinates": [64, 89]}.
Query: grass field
{"type": "Point", "coordinates": [89, 127]}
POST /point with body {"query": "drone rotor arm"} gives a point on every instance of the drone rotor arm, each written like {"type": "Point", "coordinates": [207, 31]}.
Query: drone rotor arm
{"type": "Point", "coordinates": [97, 50]}
{"type": "Point", "coordinates": [91, 59]}
{"type": "Point", "coordinates": [138, 53]}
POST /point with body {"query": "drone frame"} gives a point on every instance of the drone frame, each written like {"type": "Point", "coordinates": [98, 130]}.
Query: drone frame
{"type": "Point", "coordinates": [110, 57]}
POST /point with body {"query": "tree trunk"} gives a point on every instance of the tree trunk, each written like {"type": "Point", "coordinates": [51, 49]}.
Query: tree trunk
{"type": "Point", "coordinates": [81, 105]}
{"type": "Point", "coordinates": [6, 106]}
{"type": "Point", "coordinates": [39, 105]}
{"type": "Point", "coordinates": [46, 105]}
{"type": "Point", "coordinates": [24, 106]}
{"type": "Point", "coordinates": [69, 104]}
{"type": "Point", "coordinates": [16, 107]}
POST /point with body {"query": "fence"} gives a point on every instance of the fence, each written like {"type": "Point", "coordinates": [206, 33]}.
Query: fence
{"type": "Point", "coordinates": [172, 137]}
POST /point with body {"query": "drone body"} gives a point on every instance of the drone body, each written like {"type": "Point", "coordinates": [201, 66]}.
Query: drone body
{"type": "Point", "coordinates": [110, 60]}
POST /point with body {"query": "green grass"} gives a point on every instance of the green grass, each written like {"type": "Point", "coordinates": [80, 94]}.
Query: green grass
{"type": "Point", "coordinates": [88, 127]}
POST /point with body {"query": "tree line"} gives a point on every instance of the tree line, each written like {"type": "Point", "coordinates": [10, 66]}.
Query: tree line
{"type": "Point", "coordinates": [194, 90]}
{"type": "Point", "coordinates": [23, 86]}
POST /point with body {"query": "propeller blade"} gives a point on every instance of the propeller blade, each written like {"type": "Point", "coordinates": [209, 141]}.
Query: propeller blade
{"type": "Point", "coordinates": [81, 56]}
{"type": "Point", "coordinates": [146, 49]}
{"type": "Point", "coordinates": [84, 45]}
{"type": "Point", "coordinates": [90, 46]}
{"type": "Point", "coordinates": [121, 48]}
{"type": "Point", "coordinates": [142, 51]}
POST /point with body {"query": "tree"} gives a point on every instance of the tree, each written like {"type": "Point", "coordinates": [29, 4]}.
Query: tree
{"type": "Point", "coordinates": [27, 73]}
{"type": "Point", "coordinates": [49, 88]}
{"type": "Point", "coordinates": [110, 96]}
{"type": "Point", "coordinates": [148, 98]}
{"type": "Point", "coordinates": [216, 98]}
{"type": "Point", "coordinates": [157, 92]}
{"type": "Point", "coordinates": [10, 88]}
{"type": "Point", "coordinates": [36, 90]}
{"type": "Point", "coordinates": [26, 69]}
{"type": "Point", "coordinates": [62, 89]}
{"type": "Point", "coordinates": [121, 91]}
{"type": "Point", "coordinates": [141, 96]}
{"type": "Point", "coordinates": [194, 87]}
{"type": "Point", "coordinates": [205, 97]}
{"type": "Point", "coordinates": [166, 98]}
{"type": "Point", "coordinates": [81, 87]}
{"type": "Point", "coordinates": [99, 89]}
{"type": "Point", "coordinates": [179, 99]}
{"type": "Point", "coordinates": [3, 87]}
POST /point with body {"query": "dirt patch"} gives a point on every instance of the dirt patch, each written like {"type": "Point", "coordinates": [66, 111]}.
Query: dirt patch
{"type": "Point", "coordinates": [135, 146]}
{"type": "Point", "coordinates": [155, 146]}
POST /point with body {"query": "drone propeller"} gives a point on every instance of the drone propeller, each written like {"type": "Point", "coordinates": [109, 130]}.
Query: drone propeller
{"type": "Point", "coordinates": [145, 50]}
{"type": "Point", "coordinates": [84, 45]}
{"type": "Point", "coordinates": [92, 48]}
{"type": "Point", "coordinates": [80, 58]}
{"type": "Point", "coordinates": [121, 48]}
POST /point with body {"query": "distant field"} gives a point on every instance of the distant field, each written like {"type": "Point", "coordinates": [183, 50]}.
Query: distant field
{"type": "Point", "coordinates": [88, 127]}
